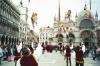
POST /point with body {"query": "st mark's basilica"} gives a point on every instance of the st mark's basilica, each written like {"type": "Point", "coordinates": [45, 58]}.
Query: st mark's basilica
{"type": "Point", "coordinates": [84, 29]}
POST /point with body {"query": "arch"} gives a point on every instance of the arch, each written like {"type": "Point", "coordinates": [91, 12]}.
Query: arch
{"type": "Point", "coordinates": [2, 39]}
{"type": "Point", "coordinates": [59, 37]}
{"type": "Point", "coordinates": [86, 24]}
{"type": "Point", "coordinates": [9, 40]}
{"type": "Point", "coordinates": [87, 33]}
{"type": "Point", "coordinates": [88, 37]}
{"type": "Point", "coordinates": [70, 37]}
{"type": "Point", "coordinates": [6, 39]}
{"type": "Point", "coordinates": [12, 40]}
{"type": "Point", "coordinates": [15, 41]}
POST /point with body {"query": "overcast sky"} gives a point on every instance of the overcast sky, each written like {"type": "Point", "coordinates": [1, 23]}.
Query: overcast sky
{"type": "Point", "coordinates": [47, 9]}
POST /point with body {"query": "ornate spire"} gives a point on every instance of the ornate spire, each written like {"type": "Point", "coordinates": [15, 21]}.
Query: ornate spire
{"type": "Point", "coordinates": [76, 15]}
{"type": "Point", "coordinates": [85, 7]}
{"type": "Point", "coordinates": [55, 18]}
{"type": "Point", "coordinates": [96, 14]}
{"type": "Point", "coordinates": [21, 3]}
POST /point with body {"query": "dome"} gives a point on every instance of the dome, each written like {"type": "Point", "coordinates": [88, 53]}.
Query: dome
{"type": "Point", "coordinates": [85, 14]}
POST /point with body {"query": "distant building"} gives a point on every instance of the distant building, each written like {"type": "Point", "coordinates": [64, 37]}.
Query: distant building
{"type": "Point", "coordinates": [85, 29]}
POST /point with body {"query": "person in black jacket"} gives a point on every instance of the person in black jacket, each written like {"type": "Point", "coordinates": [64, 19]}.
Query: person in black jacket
{"type": "Point", "coordinates": [68, 55]}
{"type": "Point", "coordinates": [79, 57]}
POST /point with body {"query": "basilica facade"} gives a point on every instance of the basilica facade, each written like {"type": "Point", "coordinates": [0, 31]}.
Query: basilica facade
{"type": "Point", "coordinates": [84, 29]}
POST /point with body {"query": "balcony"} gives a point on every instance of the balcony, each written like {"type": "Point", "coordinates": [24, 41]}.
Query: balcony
{"type": "Point", "coordinates": [7, 22]}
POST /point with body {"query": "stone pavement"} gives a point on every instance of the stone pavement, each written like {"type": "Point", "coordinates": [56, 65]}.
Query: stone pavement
{"type": "Point", "coordinates": [56, 59]}
{"type": "Point", "coordinates": [52, 59]}
{"type": "Point", "coordinates": [6, 63]}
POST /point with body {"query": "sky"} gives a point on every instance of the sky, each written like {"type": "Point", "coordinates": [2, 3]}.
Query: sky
{"type": "Point", "coordinates": [47, 9]}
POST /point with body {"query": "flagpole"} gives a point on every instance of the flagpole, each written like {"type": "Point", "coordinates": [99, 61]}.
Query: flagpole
{"type": "Point", "coordinates": [90, 4]}
{"type": "Point", "coordinates": [58, 19]}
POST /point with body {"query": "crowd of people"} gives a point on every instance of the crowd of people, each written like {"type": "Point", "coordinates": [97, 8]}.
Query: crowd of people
{"type": "Point", "coordinates": [22, 55]}
{"type": "Point", "coordinates": [6, 53]}
{"type": "Point", "coordinates": [81, 51]}
{"type": "Point", "coordinates": [26, 55]}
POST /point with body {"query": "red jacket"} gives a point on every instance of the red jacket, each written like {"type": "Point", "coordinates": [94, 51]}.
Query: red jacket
{"type": "Point", "coordinates": [28, 61]}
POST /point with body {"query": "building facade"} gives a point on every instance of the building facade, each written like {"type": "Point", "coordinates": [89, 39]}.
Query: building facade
{"type": "Point", "coordinates": [9, 23]}
{"type": "Point", "coordinates": [85, 29]}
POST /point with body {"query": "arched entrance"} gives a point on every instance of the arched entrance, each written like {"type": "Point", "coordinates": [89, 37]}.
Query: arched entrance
{"type": "Point", "coordinates": [9, 41]}
{"type": "Point", "coordinates": [87, 37]}
{"type": "Point", "coordinates": [59, 38]}
{"type": "Point", "coordinates": [70, 37]}
{"type": "Point", "coordinates": [98, 36]}
{"type": "Point", "coordinates": [2, 39]}
{"type": "Point", "coordinates": [6, 40]}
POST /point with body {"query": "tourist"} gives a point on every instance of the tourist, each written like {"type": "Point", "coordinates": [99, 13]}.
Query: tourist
{"type": "Point", "coordinates": [68, 55]}
{"type": "Point", "coordinates": [79, 57]}
{"type": "Point", "coordinates": [27, 59]}
{"type": "Point", "coordinates": [9, 53]}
